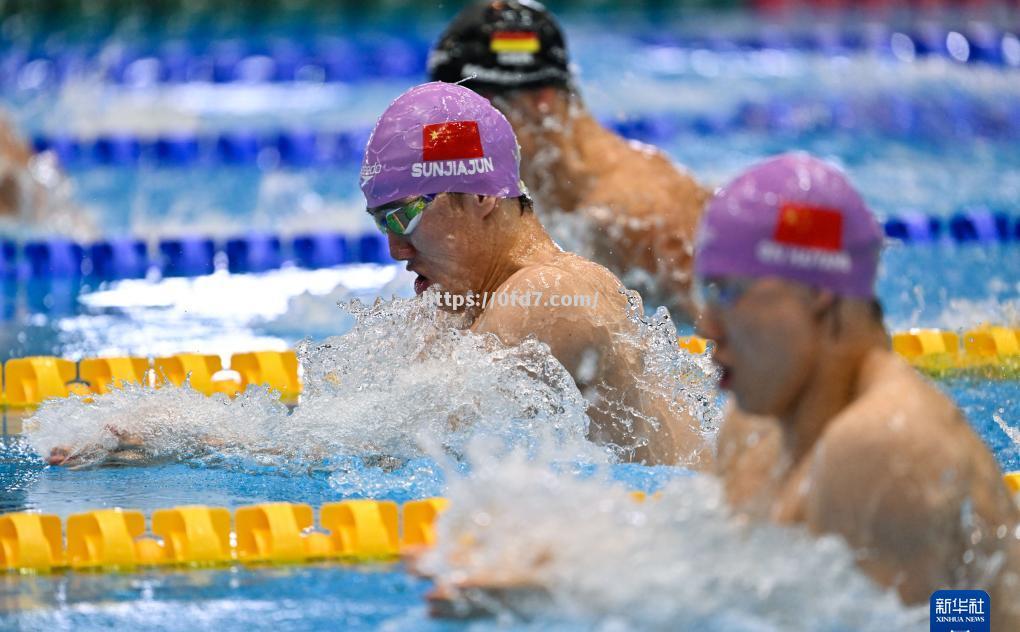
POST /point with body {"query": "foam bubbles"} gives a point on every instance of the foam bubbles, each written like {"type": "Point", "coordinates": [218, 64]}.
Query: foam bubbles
{"type": "Point", "coordinates": [136, 424]}
{"type": "Point", "coordinates": [961, 314]}
{"type": "Point", "coordinates": [406, 377]}
{"type": "Point", "coordinates": [601, 557]}
{"type": "Point", "coordinates": [412, 370]}
{"type": "Point", "coordinates": [311, 314]}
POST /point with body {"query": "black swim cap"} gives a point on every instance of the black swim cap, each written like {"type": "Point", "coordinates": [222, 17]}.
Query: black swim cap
{"type": "Point", "coordinates": [504, 45]}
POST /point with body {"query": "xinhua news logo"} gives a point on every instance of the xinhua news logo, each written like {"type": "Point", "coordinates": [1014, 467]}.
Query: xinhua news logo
{"type": "Point", "coordinates": [960, 611]}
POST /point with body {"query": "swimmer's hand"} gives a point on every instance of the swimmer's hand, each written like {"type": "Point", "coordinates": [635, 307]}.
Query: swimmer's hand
{"type": "Point", "coordinates": [482, 596]}
{"type": "Point", "coordinates": [129, 451]}
{"type": "Point", "coordinates": [59, 455]}
{"type": "Point", "coordinates": [473, 599]}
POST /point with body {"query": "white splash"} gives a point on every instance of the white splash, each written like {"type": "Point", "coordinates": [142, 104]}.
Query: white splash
{"type": "Point", "coordinates": [405, 375]}
{"type": "Point", "coordinates": [316, 314]}
{"type": "Point", "coordinates": [675, 562]}
{"type": "Point", "coordinates": [964, 314]}
{"type": "Point", "coordinates": [311, 314]}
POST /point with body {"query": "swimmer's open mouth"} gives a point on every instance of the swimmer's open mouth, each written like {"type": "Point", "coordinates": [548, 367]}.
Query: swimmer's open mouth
{"type": "Point", "coordinates": [725, 376]}
{"type": "Point", "coordinates": [421, 284]}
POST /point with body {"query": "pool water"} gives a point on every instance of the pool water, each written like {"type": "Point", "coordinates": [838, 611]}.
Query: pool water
{"type": "Point", "coordinates": [897, 166]}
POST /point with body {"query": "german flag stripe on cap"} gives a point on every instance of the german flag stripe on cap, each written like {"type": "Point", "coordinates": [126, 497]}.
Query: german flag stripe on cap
{"type": "Point", "coordinates": [515, 42]}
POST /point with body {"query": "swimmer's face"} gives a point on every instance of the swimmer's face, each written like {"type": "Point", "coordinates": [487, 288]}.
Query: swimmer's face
{"type": "Point", "coordinates": [450, 245]}
{"type": "Point", "coordinates": [766, 340]}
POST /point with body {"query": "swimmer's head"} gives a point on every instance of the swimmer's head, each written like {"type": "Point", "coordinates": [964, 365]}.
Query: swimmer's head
{"type": "Point", "coordinates": [794, 217]}
{"type": "Point", "coordinates": [440, 138]}
{"type": "Point", "coordinates": [785, 270]}
{"type": "Point", "coordinates": [442, 179]}
{"type": "Point", "coordinates": [497, 46]}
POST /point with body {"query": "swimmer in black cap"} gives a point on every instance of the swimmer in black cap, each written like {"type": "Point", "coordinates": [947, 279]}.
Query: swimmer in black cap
{"type": "Point", "coordinates": [643, 210]}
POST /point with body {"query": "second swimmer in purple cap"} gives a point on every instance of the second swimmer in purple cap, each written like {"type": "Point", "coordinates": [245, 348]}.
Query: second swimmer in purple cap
{"type": "Point", "coordinates": [847, 439]}
{"type": "Point", "coordinates": [830, 429]}
{"type": "Point", "coordinates": [442, 180]}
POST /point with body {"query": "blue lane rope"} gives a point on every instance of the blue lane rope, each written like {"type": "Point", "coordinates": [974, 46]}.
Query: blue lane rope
{"type": "Point", "coordinates": [131, 258]}
{"type": "Point", "coordinates": [335, 59]}
{"type": "Point", "coordinates": [291, 148]}
{"type": "Point", "coordinates": [930, 118]}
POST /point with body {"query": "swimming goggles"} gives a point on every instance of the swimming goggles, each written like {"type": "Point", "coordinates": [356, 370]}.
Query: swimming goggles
{"type": "Point", "coordinates": [719, 293]}
{"type": "Point", "coordinates": [403, 218]}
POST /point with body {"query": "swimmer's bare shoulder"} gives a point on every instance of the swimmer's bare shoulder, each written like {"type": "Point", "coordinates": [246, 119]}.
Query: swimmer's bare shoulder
{"type": "Point", "coordinates": [892, 474]}
{"type": "Point", "coordinates": [569, 331]}
{"type": "Point", "coordinates": [646, 183]}
{"type": "Point", "coordinates": [900, 410]}
{"type": "Point", "coordinates": [568, 275]}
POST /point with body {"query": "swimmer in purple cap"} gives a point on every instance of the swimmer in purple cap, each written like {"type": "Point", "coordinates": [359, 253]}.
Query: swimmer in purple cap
{"type": "Point", "coordinates": [831, 429]}
{"type": "Point", "coordinates": [441, 176]}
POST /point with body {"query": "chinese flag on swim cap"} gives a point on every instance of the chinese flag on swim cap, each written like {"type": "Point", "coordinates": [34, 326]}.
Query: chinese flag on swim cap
{"type": "Point", "coordinates": [809, 227]}
{"type": "Point", "coordinates": [456, 140]}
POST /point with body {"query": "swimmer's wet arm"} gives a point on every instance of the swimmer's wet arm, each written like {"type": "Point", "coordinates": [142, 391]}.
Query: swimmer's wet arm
{"type": "Point", "coordinates": [130, 449]}
{"type": "Point", "coordinates": [892, 501]}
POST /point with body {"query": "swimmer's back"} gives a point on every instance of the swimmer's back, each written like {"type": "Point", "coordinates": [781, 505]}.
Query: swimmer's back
{"type": "Point", "coordinates": [639, 181]}
{"type": "Point", "coordinates": [12, 148]}
{"type": "Point", "coordinates": [646, 209]}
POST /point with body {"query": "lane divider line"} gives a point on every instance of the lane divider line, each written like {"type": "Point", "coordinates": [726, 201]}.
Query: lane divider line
{"type": "Point", "coordinates": [196, 536]}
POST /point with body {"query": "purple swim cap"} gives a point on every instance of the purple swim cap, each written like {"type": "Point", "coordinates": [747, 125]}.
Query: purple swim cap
{"type": "Point", "coordinates": [796, 217]}
{"type": "Point", "coordinates": [440, 138]}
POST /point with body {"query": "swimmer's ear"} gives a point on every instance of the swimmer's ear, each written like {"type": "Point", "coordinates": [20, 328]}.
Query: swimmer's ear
{"type": "Point", "coordinates": [480, 205]}
{"type": "Point", "coordinates": [822, 301]}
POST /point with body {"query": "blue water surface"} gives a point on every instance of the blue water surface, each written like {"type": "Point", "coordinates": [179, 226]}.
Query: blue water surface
{"type": "Point", "coordinates": [898, 154]}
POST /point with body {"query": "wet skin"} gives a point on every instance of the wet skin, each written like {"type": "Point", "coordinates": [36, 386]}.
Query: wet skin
{"type": "Point", "coordinates": [14, 158]}
{"type": "Point", "coordinates": [33, 189]}
{"type": "Point", "coordinates": [831, 430]}
{"type": "Point", "coordinates": [842, 437]}
{"type": "Point", "coordinates": [476, 244]}
{"type": "Point", "coordinates": [643, 208]}
{"type": "Point", "coordinates": [129, 451]}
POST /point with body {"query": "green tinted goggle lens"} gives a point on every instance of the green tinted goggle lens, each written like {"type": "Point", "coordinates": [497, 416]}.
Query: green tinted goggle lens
{"type": "Point", "coordinates": [404, 219]}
